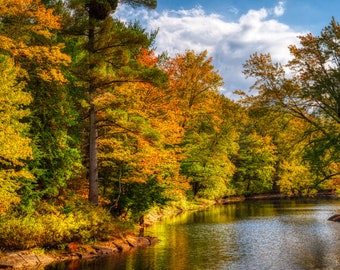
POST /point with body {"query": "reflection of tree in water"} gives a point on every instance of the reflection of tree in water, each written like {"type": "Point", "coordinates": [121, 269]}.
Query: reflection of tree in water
{"type": "Point", "coordinates": [287, 236]}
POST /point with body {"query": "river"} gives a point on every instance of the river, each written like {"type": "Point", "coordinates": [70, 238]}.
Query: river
{"type": "Point", "coordinates": [285, 234]}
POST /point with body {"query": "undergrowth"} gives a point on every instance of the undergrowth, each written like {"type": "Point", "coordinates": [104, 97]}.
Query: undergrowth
{"type": "Point", "coordinates": [53, 229]}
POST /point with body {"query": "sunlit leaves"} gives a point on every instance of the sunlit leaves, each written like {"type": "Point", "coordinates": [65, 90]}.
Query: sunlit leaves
{"type": "Point", "coordinates": [193, 80]}
{"type": "Point", "coordinates": [208, 139]}
{"type": "Point", "coordinates": [295, 178]}
{"type": "Point", "coordinates": [309, 92]}
{"type": "Point", "coordinates": [14, 146]}
{"type": "Point", "coordinates": [27, 31]}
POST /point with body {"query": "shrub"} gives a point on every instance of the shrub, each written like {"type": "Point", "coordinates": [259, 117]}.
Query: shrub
{"type": "Point", "coordinates": [54, 229]}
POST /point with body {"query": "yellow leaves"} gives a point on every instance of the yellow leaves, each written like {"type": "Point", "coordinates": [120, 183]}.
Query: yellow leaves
{"type": "Point", "coordinates": [32, 15]}
{"type": "Point", "coordinates": [14, 148]}
{"type": "Point", "coordinates": [45, 17]}
{"type": "Point", "coordinates": [8, 196]}
{"type": "Point", "coordinates": [30, 19]}
{"type": "Point", "coordinates": [104, 100]}
{"type": "Point", "coordinates": [6, 43]}
{"type": "Point", "coordinates": [193, 86]}
{"type": "Point", "coordinates": [295, 178]}
{"type": "Point", "coordinates": [84, 104]}
{"type": "Point", "coordinates": [46, 59]}
{"type": "Point", "coordinates": [52, 75]}
{"type": "Point", "coordinates": [11, 145]}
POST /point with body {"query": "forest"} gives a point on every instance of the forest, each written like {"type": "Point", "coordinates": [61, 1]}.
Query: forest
{"type": "Point", "coordinates": [96, 129]}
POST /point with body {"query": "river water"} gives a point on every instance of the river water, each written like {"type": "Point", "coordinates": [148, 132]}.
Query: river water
{"type": "Point", "coordinates": [273, 235]}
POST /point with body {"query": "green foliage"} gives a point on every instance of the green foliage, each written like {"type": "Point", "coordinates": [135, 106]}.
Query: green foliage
{"type": "Point", "coordinates": [255, 164]}
{"type": "Point", "coordinates": [146, 3]}
{"type": "Point", "coordinates": [57, 156]}
{"type": "Point", "coordinates": [14, 101]}
{"type": "Point", "coordinates": [207, 165]}
{"type": "Point", "coordinates": [135, 199]}
{"type": "Point", "coordinates": [323, 157]}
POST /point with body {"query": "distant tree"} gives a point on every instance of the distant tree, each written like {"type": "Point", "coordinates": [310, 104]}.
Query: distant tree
{"type": "Point", "coordinates": [310, 93]}
{"type": "Point", "coordinates": [255, 163]}
{"type": "Point", "coordinates": [206, 119]}
{"type": "Point", "coordinates": [292, 174]}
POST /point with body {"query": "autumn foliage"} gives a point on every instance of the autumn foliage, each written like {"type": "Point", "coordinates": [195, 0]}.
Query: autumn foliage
{"type": "Point", "coordinates": [89, 110]}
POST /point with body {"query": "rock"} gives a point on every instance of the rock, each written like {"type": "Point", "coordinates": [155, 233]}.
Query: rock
{"type": "Point", "coordinates": [121, 244]}
{"type": "Point", "coordinates": [82, 251]}
{"type": "Point", "coordinates": [74, 251]}
{"type": "Point", "coordinates": [143, 242]}
{"type": "Point", "coordinates": [104, 251]}
{"type": "Point", "coordinates": [72, 247]}
{"type": "Point", "coordinates": [152, 240]}
{"type": "Point", "coordinates": [132, 240]}
{"type": "Point", "coordinates": [23, 260]}
{"type": "Point", "coordinates": [335, 218]}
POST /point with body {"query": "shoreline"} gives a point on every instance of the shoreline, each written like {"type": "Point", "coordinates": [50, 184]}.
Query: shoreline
{"type": "Point", "coordinates": [33, 259]}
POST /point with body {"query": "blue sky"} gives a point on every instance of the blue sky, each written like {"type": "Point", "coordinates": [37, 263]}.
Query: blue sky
{"type": "Point", "coordinates": [231, 30]}
{"type": "Point", "coordinates": [299, 14]}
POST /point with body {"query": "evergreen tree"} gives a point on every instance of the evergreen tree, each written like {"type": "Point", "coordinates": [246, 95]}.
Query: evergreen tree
{"type": "Point", "coordinates": [108, 60]}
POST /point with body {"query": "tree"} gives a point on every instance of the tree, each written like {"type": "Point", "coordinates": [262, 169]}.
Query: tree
{"type": "Point", "coordinates": [311, 93]}
{"type": "Point", "coordinates": [193, 81]}
{"type": "Point", "coordinates": [209, 150]}
{"type": "Point", "coordinates": [316, 67]}
{"type": "Point", "coordinates": [107, 61]}
{"type": "Point", "coordinates": [317, 73]}
{"type": "Point", "coordinates": [15, 147]}
{"type": "Point", "coordinates": [28, 33]}
{"type": "Point", "coordinates": [292, 174]}
{"type": "Point", "coordinates": [205, 117]}
{"type": "Point", "coordinates": [255, 163]}
{"type": "Point", "coordinates": [138, 133]}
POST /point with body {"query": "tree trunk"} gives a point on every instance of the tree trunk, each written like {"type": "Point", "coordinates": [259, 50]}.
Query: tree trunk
{"type": "Point", "coordinates": [93, 166]}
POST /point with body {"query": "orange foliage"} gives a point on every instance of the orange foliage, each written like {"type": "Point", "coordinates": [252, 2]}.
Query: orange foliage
{"type": "Point", "coordinates": [193, 84]}
{"type": "Point", "coordinates": [147, 58]}
{"type": "Point", "coordinates": [28, 38]}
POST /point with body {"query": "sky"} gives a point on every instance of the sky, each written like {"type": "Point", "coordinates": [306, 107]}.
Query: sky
{"type": "Point", "coordinates": [232, 30]}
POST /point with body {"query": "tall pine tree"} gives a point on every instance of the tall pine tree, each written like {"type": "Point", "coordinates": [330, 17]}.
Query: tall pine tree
{"type": "Point", "coordinates": [108, 60]}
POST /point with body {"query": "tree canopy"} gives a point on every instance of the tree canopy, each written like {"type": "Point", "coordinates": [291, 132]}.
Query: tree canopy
{"type": "Point", "coordinates": [90, 112]}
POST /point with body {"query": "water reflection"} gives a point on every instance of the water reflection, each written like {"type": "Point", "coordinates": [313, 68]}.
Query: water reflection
{"type": "Point", "coordinates": [248, 235]}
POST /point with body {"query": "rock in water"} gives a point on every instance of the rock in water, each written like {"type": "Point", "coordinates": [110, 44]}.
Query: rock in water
{"type": "Point", "coordinates": [335, 217]}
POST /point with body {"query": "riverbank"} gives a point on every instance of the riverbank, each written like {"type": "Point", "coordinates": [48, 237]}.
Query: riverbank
{"type": "Point", "coordinates": [122, 242]}
{"type": "Point", "coordinates": [37, 259]}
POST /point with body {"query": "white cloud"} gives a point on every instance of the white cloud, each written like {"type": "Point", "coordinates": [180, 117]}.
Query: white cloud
{"type": "Point", "coordinates": [279, 10]}
{"type": "Point", "coordinates": [230, 43]}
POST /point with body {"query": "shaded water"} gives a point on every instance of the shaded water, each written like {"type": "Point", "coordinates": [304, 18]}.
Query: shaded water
{"type": "Point", "coordinates": [248, 235]}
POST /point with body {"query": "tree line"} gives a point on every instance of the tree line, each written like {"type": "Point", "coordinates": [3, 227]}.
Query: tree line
{"type": "Point", "coordinates": [90, 112]}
